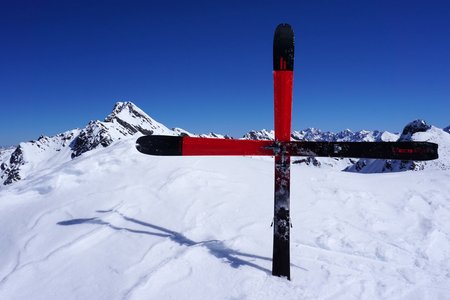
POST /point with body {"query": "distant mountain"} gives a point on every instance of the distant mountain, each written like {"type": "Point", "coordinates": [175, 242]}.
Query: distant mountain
{"type": "Point", "coordinates": [260, 135]}
{"type": "Point", "coordinates": [447, 129]}
{"type": "Point", "coordinates": [314, 134]}
{"type": "Point", "coordinates": [124, 121]}
{"type": "Point", "coordinates": [127, 120]}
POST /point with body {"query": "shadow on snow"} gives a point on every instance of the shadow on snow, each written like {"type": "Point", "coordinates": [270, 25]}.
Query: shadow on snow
{"type": "Point", "coordinates": [215, 247]}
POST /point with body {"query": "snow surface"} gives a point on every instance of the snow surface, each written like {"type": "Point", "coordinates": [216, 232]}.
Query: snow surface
{"type": "Point", "coordinates": [117, 224]}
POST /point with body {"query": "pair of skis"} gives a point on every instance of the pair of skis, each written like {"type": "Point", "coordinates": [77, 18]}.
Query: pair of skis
{"type": "Point", "coordinates": [283, 148]}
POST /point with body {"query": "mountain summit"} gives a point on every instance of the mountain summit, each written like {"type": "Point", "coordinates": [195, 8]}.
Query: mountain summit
{"type": "Point", "coordinates": [135, 120]}
{"type": "Point", "coordinates": [125, 120]}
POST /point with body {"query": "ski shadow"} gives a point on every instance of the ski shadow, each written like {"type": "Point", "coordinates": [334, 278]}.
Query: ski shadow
{"type": "Point", "coordinates": [215, 247]}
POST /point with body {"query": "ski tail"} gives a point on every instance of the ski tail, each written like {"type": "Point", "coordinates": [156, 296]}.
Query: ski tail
{"type": "Point", "coordinates": [160, 145]}
{"type": "Point", "coordinates": [377, 150]}
{"type": "Point", "coordinates": [194, 146]}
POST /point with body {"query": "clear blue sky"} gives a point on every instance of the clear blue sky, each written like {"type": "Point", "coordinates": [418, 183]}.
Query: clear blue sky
{"type": "Point", "coordinates": [207, 65]}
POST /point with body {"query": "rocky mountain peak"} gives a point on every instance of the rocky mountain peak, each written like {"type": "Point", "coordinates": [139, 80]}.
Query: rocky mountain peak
{"type": "Point", "coordinates": [133, 119]}
{"type": "Point", "coordinates": [124, 110]}
{"type": "Point", "coordinates": [414, 127]}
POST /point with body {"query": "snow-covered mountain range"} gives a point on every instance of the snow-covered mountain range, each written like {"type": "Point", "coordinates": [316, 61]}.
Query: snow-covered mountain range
{"type": "Point", "coordinates": [127, 121]}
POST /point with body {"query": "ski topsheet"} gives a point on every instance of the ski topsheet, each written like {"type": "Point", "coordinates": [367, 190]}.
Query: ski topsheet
{"type": "Point", "coordinates": [193, 146]}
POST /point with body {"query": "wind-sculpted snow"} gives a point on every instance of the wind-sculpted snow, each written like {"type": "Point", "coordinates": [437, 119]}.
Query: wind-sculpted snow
{"type": "Point", "coordinates": [117, 224]}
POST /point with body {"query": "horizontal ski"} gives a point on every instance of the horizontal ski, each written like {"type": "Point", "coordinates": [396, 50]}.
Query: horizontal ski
{"type": "Point", "coordinates": [375, 150]}
{"type": "Point", "coordinates": [193, 146]}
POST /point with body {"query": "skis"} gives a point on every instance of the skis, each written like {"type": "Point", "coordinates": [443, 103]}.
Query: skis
{"type": "Point", "coordinates": [283, 148]}
{"type": "Point", "coordinates": [193, 146]}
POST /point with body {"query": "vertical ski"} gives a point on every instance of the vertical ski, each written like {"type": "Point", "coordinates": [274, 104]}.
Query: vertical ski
{"type": "Point", "coordinates": [283, 67]}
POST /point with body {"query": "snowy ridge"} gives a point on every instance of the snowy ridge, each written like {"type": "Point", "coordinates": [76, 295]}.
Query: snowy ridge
{"type": "Point", "coordinates": [215, 136]}
{"type": "Point", "coordinates": [133, 120]}
{"type": "Point", "coordinates": [36, 155]}
{"type": "Point", "coordinates": [125, 120]}
{"type": "Point", "coordinates": [260, 135]}
{"type": "Point", "coordinates": [182, 132]}
{"type": "Point", "coordinates": [314, 134]}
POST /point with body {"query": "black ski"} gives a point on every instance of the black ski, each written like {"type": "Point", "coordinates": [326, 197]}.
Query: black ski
{"type": "Point", "coordinates": [380, 150]}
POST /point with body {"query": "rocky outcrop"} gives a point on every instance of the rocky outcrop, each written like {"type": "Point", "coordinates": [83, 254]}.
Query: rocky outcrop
{"type": "Point", "coordinates": [10, 169]}
{"type": "Point", "coordinates": [93, 135]}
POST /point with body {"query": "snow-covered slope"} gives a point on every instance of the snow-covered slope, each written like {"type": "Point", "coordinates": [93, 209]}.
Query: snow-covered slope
{"type": "Point", "coordinates": [117, 224]}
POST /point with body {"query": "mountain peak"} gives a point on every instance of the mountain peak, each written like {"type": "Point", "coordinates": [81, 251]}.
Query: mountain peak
{"type": "Point", "coordinates": [134, 120]}
{"type": "Point", "coordinates": [123, 110]}
{"type": "Point", "coordinates": [414, 127]}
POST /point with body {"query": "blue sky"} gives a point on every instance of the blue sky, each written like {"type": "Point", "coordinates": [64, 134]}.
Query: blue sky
{"type": "Point", "coordinates": [207, 65]}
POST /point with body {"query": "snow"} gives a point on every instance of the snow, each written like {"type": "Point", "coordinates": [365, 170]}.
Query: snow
{"type": "Point", "coordinates": [116, 224]}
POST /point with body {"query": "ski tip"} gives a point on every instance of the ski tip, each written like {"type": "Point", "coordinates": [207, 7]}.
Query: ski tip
{"type": "Point", "coordinates": [283, 48]}
{"type": "Point", "coordinates": [160, 145]}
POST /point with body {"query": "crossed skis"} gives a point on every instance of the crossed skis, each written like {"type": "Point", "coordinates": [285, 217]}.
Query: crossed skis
{"type": "Point", "coordinates": [283, 148]}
